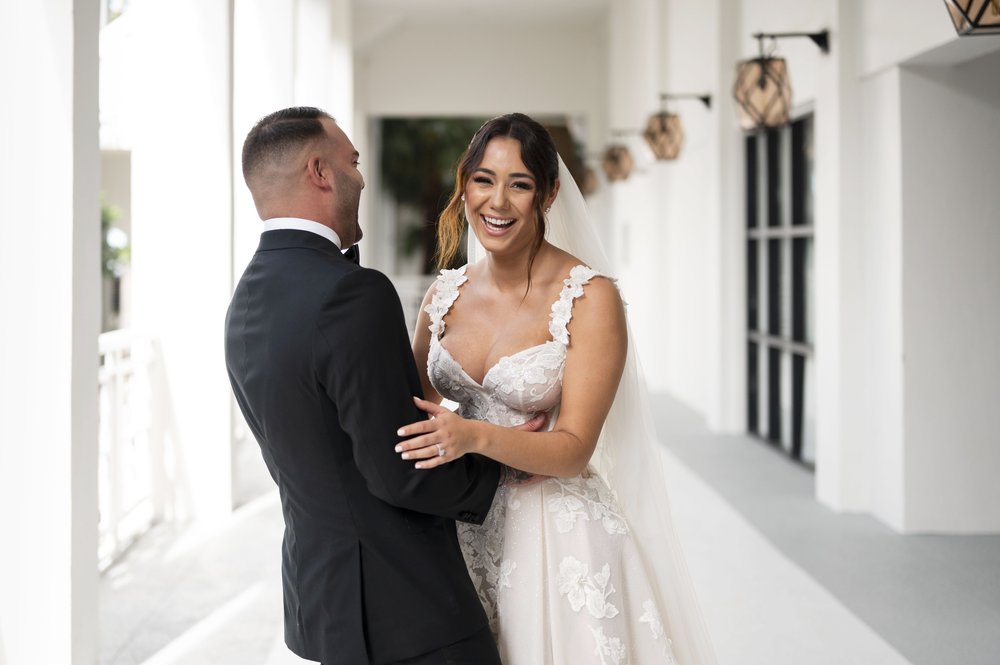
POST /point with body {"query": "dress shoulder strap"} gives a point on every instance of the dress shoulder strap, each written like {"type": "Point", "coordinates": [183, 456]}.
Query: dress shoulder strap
{"type": "Point", "coordinates": [562, 309]}
{"type": "Point", "coordinates": [445, 294]}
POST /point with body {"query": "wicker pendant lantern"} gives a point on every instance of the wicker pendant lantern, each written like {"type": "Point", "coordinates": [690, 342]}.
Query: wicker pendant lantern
{"type": "Point", "coordinates": [664, 135]}
{"type": "Point", "coordinates": [975, 17]}
{"type": "Point", "coordinates": [617, 163]}
{"type": "Point", "coordinates": [664, 132]}
{"type": "Point", "coordinates": [763, 91]}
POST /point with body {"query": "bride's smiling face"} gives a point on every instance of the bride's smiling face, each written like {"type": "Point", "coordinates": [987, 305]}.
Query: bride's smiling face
{"type": "Point", "coordinates": [500, 199]}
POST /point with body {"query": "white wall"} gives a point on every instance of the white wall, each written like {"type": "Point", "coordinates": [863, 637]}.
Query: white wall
{"type": "Point", "coordinates": [50, 289]}
{"type": "Point", "coordinates": [893, 31]}
{"type": "Point", "coordinates": [951, 295]}
{"type": "Point", "coordinates": [440, 68]}
{"type": "Point", "coordinates": [408, 67]}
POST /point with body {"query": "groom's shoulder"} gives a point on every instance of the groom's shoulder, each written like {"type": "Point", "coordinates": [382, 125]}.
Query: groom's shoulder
{"type": "Point", "coordinates": [368, 283]}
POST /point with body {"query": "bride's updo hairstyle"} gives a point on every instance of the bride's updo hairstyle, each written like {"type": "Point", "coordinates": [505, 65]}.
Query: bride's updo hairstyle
{"type": "Point", "coordinates": [538, 152]}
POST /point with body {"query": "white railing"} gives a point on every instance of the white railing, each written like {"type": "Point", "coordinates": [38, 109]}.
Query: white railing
{"type": "Point", "coordinates": [127, 469]}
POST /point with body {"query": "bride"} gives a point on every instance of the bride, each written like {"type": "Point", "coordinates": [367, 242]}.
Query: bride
{"type": "Point", "coordinates": [580, 563]}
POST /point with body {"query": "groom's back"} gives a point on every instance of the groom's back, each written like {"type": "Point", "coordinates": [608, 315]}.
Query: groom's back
{"type": "Point", "coordinates": [320, 364]}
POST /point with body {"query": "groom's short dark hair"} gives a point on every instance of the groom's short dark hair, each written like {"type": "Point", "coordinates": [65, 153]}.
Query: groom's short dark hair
{"type": "Point", "coordinates": [277, 134]}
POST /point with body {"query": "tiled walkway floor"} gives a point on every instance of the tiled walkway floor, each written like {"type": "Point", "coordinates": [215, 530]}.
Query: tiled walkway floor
{"type": "Point", "coordinates": [213, 596]}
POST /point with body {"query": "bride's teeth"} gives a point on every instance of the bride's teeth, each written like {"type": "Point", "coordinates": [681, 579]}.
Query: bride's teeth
{"type": "Point", "coordinates": [492, 221]}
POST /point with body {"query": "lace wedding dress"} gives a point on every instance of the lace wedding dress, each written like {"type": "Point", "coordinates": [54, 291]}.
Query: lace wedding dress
{"type": "Point", "coordinates": [554, 563]}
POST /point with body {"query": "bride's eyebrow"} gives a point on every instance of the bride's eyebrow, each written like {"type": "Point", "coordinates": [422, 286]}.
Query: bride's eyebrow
{"type": "Point", "coordinates": [512, 175]}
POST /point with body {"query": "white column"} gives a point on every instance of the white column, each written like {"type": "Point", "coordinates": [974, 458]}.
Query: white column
{"type": "Point", "coordinates": [182, 231]}
{"type": "Point", "coordinates": [700, 277]}
{"type": "Point", "coordinates": [855, 324]}
{"type": "Point", "coordinates": [636, 238]}
{"type": "Point", "coordinates": [50, 290]}
{"type": "Point", "coordinates": [263, 81]}
{"type": "Point", "coordinates": [324, 64]}
{"type": "Point", "coordinates": [731, 412]}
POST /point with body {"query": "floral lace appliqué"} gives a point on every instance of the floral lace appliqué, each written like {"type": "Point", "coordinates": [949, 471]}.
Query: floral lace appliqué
{"type": "Point", "coordinates": [586, 499]}
{"type": "Point", "coordinates": [611, 650]}
{"type": "Point", "coordinates": [562, 309]}
{"type": "Point", "coordinates": [445, 295]}
{"type": "Point", "coordinates": [582, 590]}
{"type": "Point", "coordinates": [651, 616]}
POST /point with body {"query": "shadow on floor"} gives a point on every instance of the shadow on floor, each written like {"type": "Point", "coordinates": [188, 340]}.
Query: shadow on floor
{"type": "Point", "coordinates": [936, 599]}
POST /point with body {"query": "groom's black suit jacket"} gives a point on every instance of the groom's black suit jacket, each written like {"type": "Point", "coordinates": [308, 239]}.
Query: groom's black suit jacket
{"type": "Point", "coordinates": [320, 363]}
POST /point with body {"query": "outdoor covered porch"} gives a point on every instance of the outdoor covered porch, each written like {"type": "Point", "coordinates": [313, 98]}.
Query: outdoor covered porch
{"type": "Point", "coordinates": [828, 286]}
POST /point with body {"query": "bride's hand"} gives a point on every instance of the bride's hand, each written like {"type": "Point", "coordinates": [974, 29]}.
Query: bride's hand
{"type": "Point", "coordinates": [446, 436]}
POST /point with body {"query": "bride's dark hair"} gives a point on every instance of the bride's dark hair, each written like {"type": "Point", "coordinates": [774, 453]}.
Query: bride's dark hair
{"type": "Point", "coordinates": [538, 152]}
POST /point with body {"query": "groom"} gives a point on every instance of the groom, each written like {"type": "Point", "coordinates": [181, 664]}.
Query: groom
{"type": "Point", "coordinates": [320, 362]}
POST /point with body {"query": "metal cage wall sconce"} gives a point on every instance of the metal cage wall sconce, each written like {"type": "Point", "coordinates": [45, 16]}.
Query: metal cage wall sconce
{"type": "Point", "coordinates": [763, 91]}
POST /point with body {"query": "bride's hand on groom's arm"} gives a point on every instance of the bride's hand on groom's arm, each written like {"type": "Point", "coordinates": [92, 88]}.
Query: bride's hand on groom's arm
{"type": "Point", "coordinates": [446, 436]}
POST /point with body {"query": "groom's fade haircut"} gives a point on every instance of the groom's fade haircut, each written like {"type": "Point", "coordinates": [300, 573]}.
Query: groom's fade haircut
{"type": "Point", "coordinates": [277, 135]}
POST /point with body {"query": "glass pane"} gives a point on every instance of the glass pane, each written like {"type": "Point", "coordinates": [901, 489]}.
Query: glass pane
{"type": "Point", "coordinates": [798, 365]}
{"type": "Point", "coordinates": [803, 153]}
{"type": "Point", "coordinates": [753, 392]}
{"type": "Point", "coordinates": [808, 402]}
{"type": "Point", "coordinates": [774, 395]}
{"type": "Point", "coordinates": [752, 286]}
{"type": "Point", "coordinates": [763, 394]}
{"type": "Point", "coordinates": [775, 192]}
{"type": "Point", "coordinates": [802, 172]}
{"type": "Point", "coordinates": [787, 431]}
{"type": "Point", "coordinates": [802, 289]}
{"type": "Point", "coordinates": [773, 302]}
{"type": "Point", "coordinates": [752, 177]}
{"type": "Point", "coordinates": [763, 178]}
{"type": "Point", "coordinates": [786, 287]}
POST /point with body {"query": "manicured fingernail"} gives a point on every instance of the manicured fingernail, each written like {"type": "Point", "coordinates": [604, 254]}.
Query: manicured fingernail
{"type": "Point", "coordinates": [400, 432]}
{"type": "Point", "coordinates": [399, 449]}
{"type": "Point", "coordinates": [418, 465]}
{"type": "Point", "coordinates": [406, 455]}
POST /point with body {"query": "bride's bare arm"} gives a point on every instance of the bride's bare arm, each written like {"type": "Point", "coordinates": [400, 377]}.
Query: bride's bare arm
{"type": "Point", "coordinates": [421, 347]}
{"type": "Point", "coordinates": [594, 364]}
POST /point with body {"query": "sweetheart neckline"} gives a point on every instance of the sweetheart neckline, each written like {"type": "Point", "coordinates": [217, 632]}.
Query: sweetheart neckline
{"type": "Point", "coordinates": [495, 365]}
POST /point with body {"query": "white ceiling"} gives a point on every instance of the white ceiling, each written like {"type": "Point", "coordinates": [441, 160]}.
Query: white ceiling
{"type": "Point", "coordinates": [505, 10]}
{"type": "Point", "coordinates": [375, 20]}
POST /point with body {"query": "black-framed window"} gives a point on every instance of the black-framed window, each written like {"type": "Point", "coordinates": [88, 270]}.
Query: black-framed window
{"type": "Point", "coordinates": [780, 287]}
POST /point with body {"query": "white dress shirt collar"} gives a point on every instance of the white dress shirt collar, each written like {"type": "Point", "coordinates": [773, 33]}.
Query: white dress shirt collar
{"type": "Point", "coordinates": [279, 223]}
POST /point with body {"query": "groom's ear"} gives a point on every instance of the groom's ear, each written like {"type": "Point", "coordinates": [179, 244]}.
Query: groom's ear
{"type": "Point", "coordinates": [317, 172]}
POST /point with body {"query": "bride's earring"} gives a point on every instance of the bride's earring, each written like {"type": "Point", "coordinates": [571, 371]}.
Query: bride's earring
{"type": "Point", "coordinates": [548, 209]}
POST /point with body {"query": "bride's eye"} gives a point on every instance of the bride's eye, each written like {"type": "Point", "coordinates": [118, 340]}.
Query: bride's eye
{"type": "Point", "coordinates": [482, 180]}
{"type": "Point", "coordinates": [520, 184]}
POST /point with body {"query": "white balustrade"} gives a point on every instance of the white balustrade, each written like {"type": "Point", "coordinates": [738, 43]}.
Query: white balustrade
{"type": "Point", "coordinates": [129, 469]}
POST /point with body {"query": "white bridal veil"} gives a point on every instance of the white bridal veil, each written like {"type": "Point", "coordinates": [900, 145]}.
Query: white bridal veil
{"type": "Point", "coordinates": [628, 455]}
